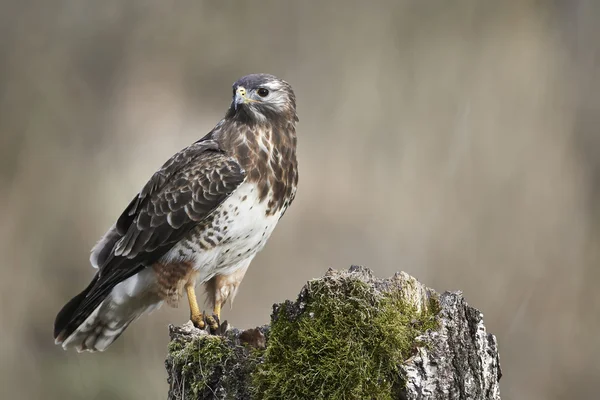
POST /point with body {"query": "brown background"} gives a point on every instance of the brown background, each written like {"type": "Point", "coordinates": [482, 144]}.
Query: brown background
{"type": "Point", "coordinates": [455, 140]}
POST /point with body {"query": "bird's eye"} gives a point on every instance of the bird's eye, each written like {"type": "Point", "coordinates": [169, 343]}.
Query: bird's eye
{"type": "Point", "coordinates": [262, 92]}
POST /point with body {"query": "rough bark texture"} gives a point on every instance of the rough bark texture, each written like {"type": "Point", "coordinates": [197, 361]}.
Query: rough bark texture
{"type": "Point", "coordinates": [461, 360]}
{"type": "Point", "coordinates": [450, 354]}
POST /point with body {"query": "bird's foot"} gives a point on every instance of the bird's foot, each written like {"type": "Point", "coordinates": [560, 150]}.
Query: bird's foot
{"type": "Point", "coordinates": [214, 325]}
{"type": "Point", "coordinates": [198, 321]}
{"type": "Point", "coordinates": [209, 323]}
{"type": "Point", "coordinates": [213, 322]}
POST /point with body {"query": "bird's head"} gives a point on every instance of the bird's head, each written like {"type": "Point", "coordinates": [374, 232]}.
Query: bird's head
{"type": "Point", "coordinates": [262, 97]}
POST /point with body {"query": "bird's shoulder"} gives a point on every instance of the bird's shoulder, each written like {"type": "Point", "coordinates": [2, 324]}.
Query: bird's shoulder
{"type": "Point", "coordinates": [202, 171]}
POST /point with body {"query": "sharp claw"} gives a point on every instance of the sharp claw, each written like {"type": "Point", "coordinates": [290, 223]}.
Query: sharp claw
{"type": "Point", "coordinates": [222, 328]}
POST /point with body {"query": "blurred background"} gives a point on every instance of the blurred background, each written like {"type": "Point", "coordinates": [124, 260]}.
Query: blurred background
{"type": "Point", "coordinates": [457, 141]}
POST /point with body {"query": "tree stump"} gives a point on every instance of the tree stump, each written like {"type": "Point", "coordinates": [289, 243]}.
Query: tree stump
{"type": "Point", "coordinates": [348, 335]}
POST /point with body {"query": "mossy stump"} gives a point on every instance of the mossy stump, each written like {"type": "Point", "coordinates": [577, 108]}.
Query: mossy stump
{"type": "Point", "coordinates": [347, 336]}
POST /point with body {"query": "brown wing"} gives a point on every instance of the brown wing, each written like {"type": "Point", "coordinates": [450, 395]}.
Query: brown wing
{"type": "Point", "coordinates": [192, 184]}
{"type": "Point", "coordinates": [168, 207]}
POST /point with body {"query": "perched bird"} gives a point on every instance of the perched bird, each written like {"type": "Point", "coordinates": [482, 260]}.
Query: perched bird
{"type": "Point", "coordinates": [200, 219]}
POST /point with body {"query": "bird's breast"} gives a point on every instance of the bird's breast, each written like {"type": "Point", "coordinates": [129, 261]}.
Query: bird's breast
{"type": "Point", "coordinates": [237, 230]}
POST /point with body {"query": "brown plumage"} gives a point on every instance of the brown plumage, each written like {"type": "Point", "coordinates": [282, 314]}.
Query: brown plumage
{"type": "Point", "coordinates": [200, 219]}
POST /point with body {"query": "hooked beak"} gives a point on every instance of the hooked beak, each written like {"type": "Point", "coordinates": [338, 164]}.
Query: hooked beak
{"type": "Point", "coordinates": [241, 97]}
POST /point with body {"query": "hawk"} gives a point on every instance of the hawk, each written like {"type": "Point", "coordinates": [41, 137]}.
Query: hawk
{"type": "Point", "coordinates": [200, 219]}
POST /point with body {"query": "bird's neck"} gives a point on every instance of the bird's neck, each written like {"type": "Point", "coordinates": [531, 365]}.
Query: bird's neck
{"type": "Point", "coordinates": [259, 143]}
{"type": "Point", "coordinates": [267, 152]}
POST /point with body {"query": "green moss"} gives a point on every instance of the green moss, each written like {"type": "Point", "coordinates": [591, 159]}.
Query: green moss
{"type": "Point", "coordinates": [208, 367]}
{"type": "Point", "coordinates": [344, 341]}
{"type": "Point", "coordinates": [236, 381]}
{"type": "Point", "coordinates": [200, 362]}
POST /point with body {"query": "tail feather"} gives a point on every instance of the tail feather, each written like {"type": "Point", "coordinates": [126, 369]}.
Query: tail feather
{"type": "Point", "coordinates": [103, 324]}
{"type": "Point", "coordinates": [97, 332]}
{"type": "Point", "coordinates": [62, 323]}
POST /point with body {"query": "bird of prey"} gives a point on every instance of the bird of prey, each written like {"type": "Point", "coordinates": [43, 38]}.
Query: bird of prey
{"type": "Point", "coordinates": [200, 219]}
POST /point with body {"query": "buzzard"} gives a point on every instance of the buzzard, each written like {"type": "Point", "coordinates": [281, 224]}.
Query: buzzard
{"type": "Point", "coordinates": [200, 219]}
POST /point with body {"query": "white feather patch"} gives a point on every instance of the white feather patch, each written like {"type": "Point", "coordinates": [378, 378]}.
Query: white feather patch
{"type": "Point", "coordinates": [107, 240]}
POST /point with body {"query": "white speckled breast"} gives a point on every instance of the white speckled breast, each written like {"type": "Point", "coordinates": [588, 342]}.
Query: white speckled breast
{"type": "Point", "coordinates": [239, 229]}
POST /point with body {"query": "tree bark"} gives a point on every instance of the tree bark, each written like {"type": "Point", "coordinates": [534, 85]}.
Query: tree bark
{"type": "Point", "coordinates": [451, 356]}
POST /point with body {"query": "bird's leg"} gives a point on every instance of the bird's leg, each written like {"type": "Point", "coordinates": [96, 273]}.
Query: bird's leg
{"type": "Point", "coordinates": [195, 313]}
{"type": "Point", "coordinates": [221, 288]}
